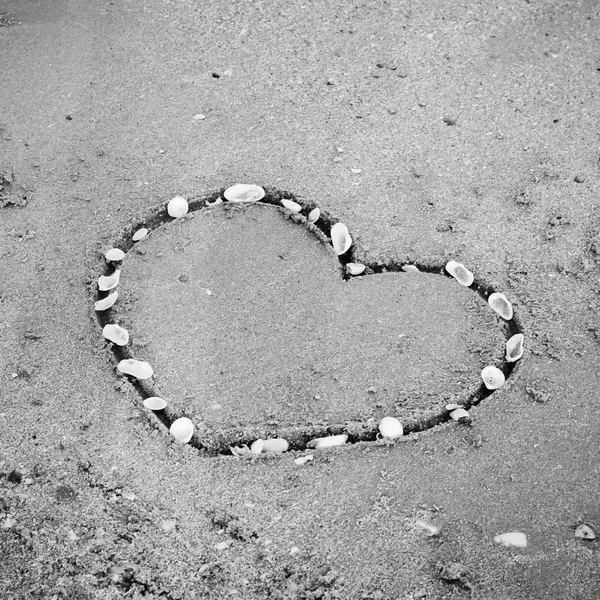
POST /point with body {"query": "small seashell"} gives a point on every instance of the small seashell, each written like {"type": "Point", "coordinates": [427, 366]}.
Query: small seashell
{"type": "Point", "coordinates": [116, 334]}
{"type": "Point", "coordinates": [585, 532]}
{"type": "Point", "coordinates": [453, 406]}
{"type": "Point", "coordinates": [431, 529]}
{"type": "Point", "coordinates": [514, 347]}
{"type": "Point", "coordinates": [177, 207]}
{"type": "Point", "coordinates": [109, 282]}
{"type": "Point", "coordinates": [240, 450]}
{"type": "Point", "coordinates": [140, 234]}
{"type": "Point", "coordinates": [390, 428]}
{"type": "Point", "coordinates": [493, 378]}
{"type": "Point", "coordinates": [218, 201]}
{"type": "Point", "coordinates": [501, 305]}
{"type": "Point", "coordinates": [241, 192]}
{"type": "Point", "coordinates": [302, 460]}
{"type": "Point", "coordinates": [107, 302]}
{"type": "Point", "coordinates": [355, 268]}
{"type": "Point", "coordinates": [257, 446]}
{"type": "Point", "coordinates": [275, 445]}
{"type": "Point", "coordinates": [514, 538]}
{"type": "Point", "coordinates": [136, 368]}
{"type": "Point", "coordinates": [460, 413]}
{"type": "Point", "coordinates": [460, 273]}
{"type": "Point", "coordinates": [291, 205]}
{"type": "Point", "coordinates": [328, 442]}
{"type": "Point", "coordinates": [410, 269]}
{"type": "Point", "coordinates": [314, 214]}
{"type": "Point", "coordinates": [155, 403]}
{"type": "Point", "coordinates": [182, 430]}
{"type": "Point", "coordinates": [114, 254]}
{"type": "Point", "coordinates": [340, 238]}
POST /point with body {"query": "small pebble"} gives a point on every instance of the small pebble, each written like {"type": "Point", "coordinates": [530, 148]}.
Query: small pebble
{"type": "Point", "coordinates": [579, 178]}
{"type": "Point", "coordinates": [585, 532]}
{"type": "Point", "coordinates": [450, 120]}
{"type": "Point", "coordinates": [514, 539]}
{"type": "Point", "coordinates": [302, 460]}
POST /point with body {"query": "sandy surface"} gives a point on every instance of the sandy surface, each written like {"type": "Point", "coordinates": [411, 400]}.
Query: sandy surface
{"type": "Point", "coordinates": [475, 140]}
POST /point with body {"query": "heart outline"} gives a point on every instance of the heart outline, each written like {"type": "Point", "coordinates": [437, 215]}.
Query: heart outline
{"type": "Point", "coordinates": [298, 436]}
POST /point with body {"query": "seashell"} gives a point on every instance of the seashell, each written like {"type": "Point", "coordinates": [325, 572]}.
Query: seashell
{"type": "Point", "coordinates": [136, 368]}
{"type": "Point", "coordinates": [177, 207]}
{"type": "Point", "coordinates": [328, 442]}
{"type": "Point", "coordinates": [514, 538]}
{"type": "Point", "coordinates": [140, 234]}
{"type": "Point", "coordinates": [302, 460]}
{"type": "Point", "coordinates": [460, 273]}
{"type": "Point", "coordinates": [340, 238]}
{"type": "Point", "coordinates": [109, 282]}
{"type": "Point", "coordinates": [241, 192]}
{"type": "Point", "coordinates": [431, 529]}
{"type": "Point", "coordinates": [390, 428]}
{"type": "Point", "coordinates": [182, 430]}
{"type": "Point", "coordinates": [107, 302]}
{"type": "Point", "coordinates": [114, 254]}
{"type": "Point", "coordinates": [291, 205]}
{"type": "Point", "coordinates": [410, 269]}
{"type": "Point", "coordinates": [501, 305]}
{"type": "Point", "coordinates": [453, 406]}
{"type": "Point", "coordinates": [116, 334]}
{"type": "Point", "coordinates": [585, 532]}
{"type": "Point", "coordinates": [514, 347]}
{"type": "Point", "coordinates": [275, 445]}
{"type": "Point", "coordinates": [493, 378]}
{"type": "Point", "coordinates": [155, 403]}
{"type": "Point", "coordinates": [314, 214]}
{"type": "Point", "coordinates": [257, 446]}
{"type": "Point", "coordinates": [218, 201]}
{"type": "Point", "coordinates": [240, 450]}
{"type": "Point", "coordinates": [460, 413]}
{"type": "Point", "coordinates": [355, 268]}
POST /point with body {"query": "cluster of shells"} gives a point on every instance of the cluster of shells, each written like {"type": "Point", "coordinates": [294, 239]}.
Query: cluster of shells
{"type": "Point", "coordinates": [390, 429]}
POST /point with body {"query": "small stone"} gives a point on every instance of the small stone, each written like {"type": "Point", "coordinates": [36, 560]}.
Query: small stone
{"type": "Point", "coordinates": [199, 117]}
{"type": "Point", "coordinates": [579, 178]}
{"type": "Point", "coordinates": [585, 532]}
{"type": "Point", "coordinates": [450, 120]}
{"type": "Point", "coordinates": [15, 477]}
{"type": "Point", "coordinates": [168, 525]}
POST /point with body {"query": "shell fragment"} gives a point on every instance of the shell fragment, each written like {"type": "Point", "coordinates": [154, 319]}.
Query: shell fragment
{"type": "Point", "coordinates": [182, 430]}
{"type": "Point", "coordinates": [291, 205]}
{"type": "Point", "coordinates": [314, 214]}
{"type": "Point", "coordinates": [136, 368]}
{"type": "Point", "coordinates": [257, 446]}
{"type": "Point", "coordinates": [355, 268]}
{"type": "Point", "coordinates": [107, 302]}
{"type": "Point", "coordinates": [501, 305]}
{"type": "Point", "coordinates": [116, 334]}
{"type": "Point", "coordinates": [515, 539]}
{"type": "Point", "coordinates": [114, 255]}
{"type": "Point", "coordinates": [585, 532]}
{"type": "Point", "coordinates": [493, 378]}
{"type": "Point", "coordinates": [177, 207]}
{"type": "Point", "coordinates": [275, 445]}
{"type": "Point", "coordinates": [460, 273]}
{"type": "Point", "coordinates": [340, 238]}
{"type": "Point", "coordinates": [302, 460]}
{"type": "Point", "coordinates": [460, 413]}
{"type": "Point", "coordinates": [390, 428]}
{"type": "Point", "coordinates": [327, 442]}
{"type": "Point", "coordinates": [140, 234]}
{"type": "Point", "coordinates": [155, 403]}
{"type": "Point", "coordinates": [241, 192]}
{"type": "Point", "coordinates": [410, 269]}
{"type": "Point", "coordinates": [109, 282]}
{"type": "Point", "coordinates": [514, 347]}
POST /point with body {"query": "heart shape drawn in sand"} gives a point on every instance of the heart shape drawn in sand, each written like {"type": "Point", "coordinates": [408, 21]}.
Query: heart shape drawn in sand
{"type": "Point", "coordinates": [310, 345]}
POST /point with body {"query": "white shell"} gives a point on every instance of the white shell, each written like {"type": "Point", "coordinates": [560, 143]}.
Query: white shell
{"type": "Point", "coordinates": [240, 450]}
{"type": "Point", "coordinates": [218, 201]}
{"type": "Point", "coordinates": [340, 238]}
{"type": "Point", "coordinates": [585, 532]}
{"type": "Point", "coordinates": [114, 254]}
{"type": "Point", "coordinates": [460, 273]}
{"type": "Point", "coordinates": [291, 205]}
{"type": "Point", "coordinates": [390, 428]}
{"type": "Point", "coordinates": [410, 269]}
{"type": "Point", "coordinates": [460, 413]}
{"type": "Point", "coordinates": [501, 305]}
{"type": "Point", "coordinates": [140, 234]}
{"type": "Point", "coordinates": [328, 442]}
{"type": "Point", "coordinates": [109, 282]}
{"type": "Point", "coordinates": [431, 529]}
{"type": "Point", "coordinates": [275, 445]}
{"type": "Point", "coordinates": [182, 430]}
{"type": "Point", "coordinates": [155, 403]}
{"type": "Point", "coordinates": [514, 538]}
{"type": "Point", "coordinates": [241, 192]}
{"type": "Point", "coordinates": [136, 368]}
{"type": "Point", "coordinates": [302, 460]}
{"type": "Point", "coordinates": [355, 268]}
{"type": "Point", "coordinates": [493, 378]}
{"type": "Point", "coordinates": [314, 214]}
{"type": "Point", "coordinates": [453, 406]}
{"type": "Point", "coordinates": [257, 446]}
{"type": "Point", "coordinates": [107, 302]}
{"type": "Point", "coordinates": [116, 334]}
{"type": "Point", "coordinates": [177, 207]}
{"type": "Point", "coordinates": [514, 347]}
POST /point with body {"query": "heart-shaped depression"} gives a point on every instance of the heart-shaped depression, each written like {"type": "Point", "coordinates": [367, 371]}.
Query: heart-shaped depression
{"type": "Point", "coordinates": [259, 328]}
